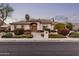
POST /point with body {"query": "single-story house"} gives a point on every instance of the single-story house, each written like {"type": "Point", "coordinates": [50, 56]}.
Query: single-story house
{"type": "Point", "coordinates": [75, 26]}
{"type": "Point", "coordinates": [33, 24]}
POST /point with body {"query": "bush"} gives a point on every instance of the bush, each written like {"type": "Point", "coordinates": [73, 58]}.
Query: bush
{"type": "Point", "coordinates": [2, 29]}
{"type": "Point", "coordinates": [27, 32]}
{"type": "Point", "coordinates": [23, 36]}
{"type": "Point", "coordinates": [59, 26]}
{"type": "Point", "coordinates": [19, 31]}
{"type": "Point", "coordinates": [56, 36]}
{"type": "Point", "coordinates": [40, 30]}
{"type": "Point", "coordinates": [52, 30]}
{"type": "Point", "coordinates": [63, 31]}
{"type": "Point", "coordinates": [7, 35]}
{"type": "Point", "coordinates": [29, 36]}
{"type": "Point", "coordinates": [74, 35]}
{"type": "Point", "coordinates": [69, 26]}
{"type": "Point", "coordinates": [42, 35]}
{"type": "Point", "coordinates": [47, 30]}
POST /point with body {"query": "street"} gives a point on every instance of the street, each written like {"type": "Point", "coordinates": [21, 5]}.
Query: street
{"type": "Point", "coordinates": [39, 48]}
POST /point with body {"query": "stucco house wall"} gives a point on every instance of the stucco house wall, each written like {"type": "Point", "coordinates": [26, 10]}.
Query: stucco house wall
{"type": "Point", "coordinates": [12, 27]}
{"type": "Point", "coordinates": [26, 27]}
{"type": "Point", "coordinates": [52, 27]}
{"type": "Point", "coordinates": [18, 26]}
{"type": "Point", "coordinates": [48, 26]}
{"type": "Point", "coordinates": [39, 27]}
{"type": "Point", "coordinates": [75, 26]}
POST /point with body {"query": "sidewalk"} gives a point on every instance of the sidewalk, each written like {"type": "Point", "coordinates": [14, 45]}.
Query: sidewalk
{"type": "Point", "coordinates": [39, 40]}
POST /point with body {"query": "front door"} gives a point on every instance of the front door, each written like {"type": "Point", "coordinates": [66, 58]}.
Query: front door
{"type": "Point", "coordinates": [33, 27]}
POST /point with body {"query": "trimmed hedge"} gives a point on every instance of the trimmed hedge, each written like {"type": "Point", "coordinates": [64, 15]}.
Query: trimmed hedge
{"type": "Point", "coordinates": [23, 36]}
{"type": "Point", "coordinates": [56, 36]}
{"type": "Point", "coordinates": [7, 35]}
{"type": "Point", "coordinates": [27, 32]}
{"type": "Point", "coordinates": [63, 31]}
{"type": "Point", "coordinates": [19, 31]}
{"type": "Point", "coordinates": [74, 35]}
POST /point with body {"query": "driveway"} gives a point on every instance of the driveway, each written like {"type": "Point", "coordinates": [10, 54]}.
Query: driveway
{"type": "Point", "coordinates": [37, 35]}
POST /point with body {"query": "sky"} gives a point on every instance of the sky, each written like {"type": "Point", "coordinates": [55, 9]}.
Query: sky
{"type": "Point", "coordinates": [45, 11]}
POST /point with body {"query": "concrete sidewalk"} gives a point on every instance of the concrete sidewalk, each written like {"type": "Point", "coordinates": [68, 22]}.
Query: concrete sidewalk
{"type": "Point", "coordinates": [39, 40]}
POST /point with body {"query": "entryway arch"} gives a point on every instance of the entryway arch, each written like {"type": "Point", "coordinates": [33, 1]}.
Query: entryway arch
{"type": "Point", "coordinates": [33, 27]}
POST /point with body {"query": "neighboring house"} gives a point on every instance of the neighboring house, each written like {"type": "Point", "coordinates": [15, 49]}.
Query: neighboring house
{"type": "Point", "coordinates": [75, 26]}
{"type": "Point", "coordinates": [33, 24]}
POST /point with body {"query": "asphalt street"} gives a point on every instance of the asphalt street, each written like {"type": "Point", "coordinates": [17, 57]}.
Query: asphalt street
{"type": "Point", "coordinates": [39, 48]}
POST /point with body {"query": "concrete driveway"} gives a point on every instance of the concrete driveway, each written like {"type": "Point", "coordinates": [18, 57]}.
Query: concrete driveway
{"type": "Point", "coordinates": [37, 35]}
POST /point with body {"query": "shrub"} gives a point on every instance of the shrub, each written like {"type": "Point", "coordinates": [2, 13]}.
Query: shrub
{"type": "Point", "coordinates": [29, 36]}
{"type": "Point", "coordinates": [7, 35]}
{"type": "Point", "coordinates": [19, 31]}
{"type": "Point", "coordinates": [74, 35]}
{"type": "Point", "coordinates": [40, 30]}
{"type": "Point", "coordinates": [59, 26]}
{"type": "Point", "coordinates": [27, 32]}
{"type": "Point", "coordinates": [47, 30]}
{"type": "Point", "coordinates": [2, 29]}
{"type": "Point", "coordinates": [69, 26]}
{"type": "Point", "coordinates": [63, 31]}
{"type": "Point", "coordinates": [56, 36]}
{"type": "Point", "coordinates": [52, 30]}
{"type": "Point", "coordinates": [42, 35]}
{"type": "Point", "coordinates": [23, 36]}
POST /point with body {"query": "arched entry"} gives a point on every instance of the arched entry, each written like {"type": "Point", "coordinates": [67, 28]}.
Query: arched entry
{"type": "Point", "coordinates": [33, 27]}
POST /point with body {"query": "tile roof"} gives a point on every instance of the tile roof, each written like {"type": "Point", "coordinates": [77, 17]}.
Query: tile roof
{"type": "Point", "coordinates": [43, 21]}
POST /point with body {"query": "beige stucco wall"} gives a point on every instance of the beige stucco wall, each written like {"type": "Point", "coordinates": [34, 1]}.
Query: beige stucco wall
{"type": "Point", "coordinates": [18, 26]}
{"type": "Point", "coordinates": [52, 27]}
{"type": "Point", "coordinates": [38, 26]}
{"type": "Point", "coordinates": [75, 27]}
{"type": "Point", "coordinates": [43, 25]}
{"type": "Point", "coordinates": [48, 26]}
{"type": "Point", "coordinates": [12, 27]}
{"type": "Point", "coordinates": [26, 27]}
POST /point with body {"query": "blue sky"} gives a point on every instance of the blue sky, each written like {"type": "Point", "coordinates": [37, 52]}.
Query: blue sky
{"type": "Point", "coordinates": [45, 10]}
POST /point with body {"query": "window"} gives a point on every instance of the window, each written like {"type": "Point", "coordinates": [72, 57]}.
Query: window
{"type": "Point", "coordinates": [44, 27]}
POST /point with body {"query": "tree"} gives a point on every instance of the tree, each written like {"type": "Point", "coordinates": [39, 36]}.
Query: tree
{"type": "Point", "coordinates": [59, 26]}
{"type": "Point", "coordinates": [5, 11]}
{"type": "Point", "coordinates": [69, 26]}
{"type": "Point", "coordinates": [64, 31]}
{"type": "Point", "coordinates": [27, 17]}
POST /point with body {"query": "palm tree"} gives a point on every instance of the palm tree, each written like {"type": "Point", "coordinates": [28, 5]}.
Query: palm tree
{"type": "Point", "coordinates": [53, 19]}
{"type": "Point", "coordinates": [27, 17]}
{"type": "Point", "coordinates": [5, 11]}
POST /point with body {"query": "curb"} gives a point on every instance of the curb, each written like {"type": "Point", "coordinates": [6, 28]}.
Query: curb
{"type": "Point", "coordinates": [39, 40]}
